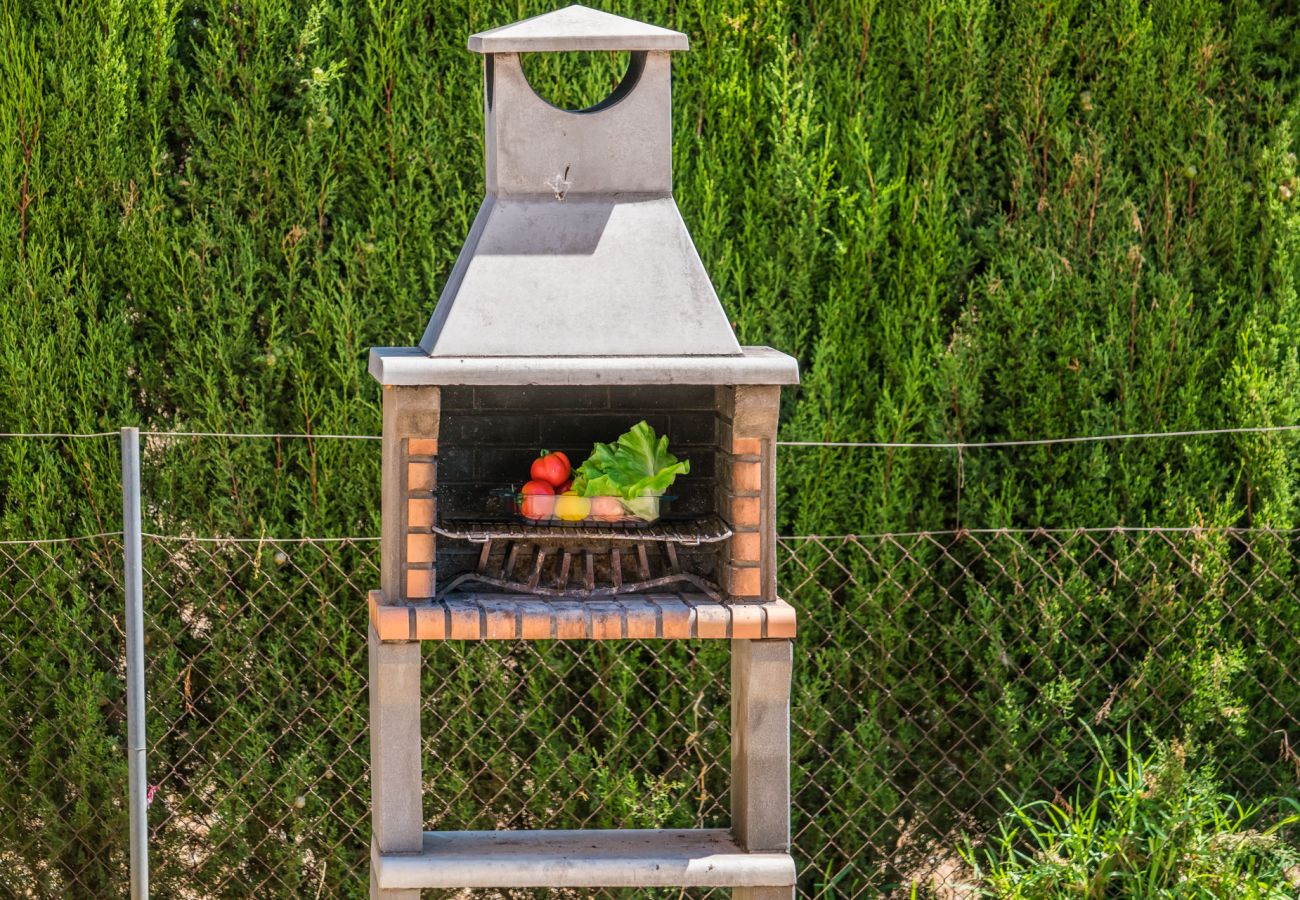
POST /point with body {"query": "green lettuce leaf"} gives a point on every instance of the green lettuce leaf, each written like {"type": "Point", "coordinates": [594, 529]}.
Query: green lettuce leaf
{"type": "Point", "coordinates": [637, 465]}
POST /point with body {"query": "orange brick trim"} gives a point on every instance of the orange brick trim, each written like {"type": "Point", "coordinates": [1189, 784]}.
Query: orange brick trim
{"type": "Point", "coordinates": [675, 619]}
{"type": "Point", "coordinates": [744, 582]}
{"type": "Point", "coordinates": [499, 622]}
{"type": "Point", "coordinates": [419, 512]}
{"type": "Point", "coordinates": [535, 623]}
{"type": "Point", "coordinates": [420, 476]}
{"type": "Point", "coordinates": [419, 583]}
{"type": "Point", "coordinates": [466, 621]}
{"type": "Point", "coordinates": [422, 447]}
{"type": "Point", "coordinates": [746, 546]}
{"type": "Point", "coordinates": [712, 620]}
{"type": "Point", "coordinates": [606, 621]}
{"type": "Point", "coordinates": [391, 623]}
{"type": "Point", "coordinates": [745, 512]}
{"type": "Point", "coordinates": [419, 547]}
{"type": "Point", "coordinates": [570, 622]}
{"type": "Point", "coordinates": [430, 623]}
{"type": "Point", "coordinates": [746, 477]}
{"type": "Point", "coordinates": [780, 620]}
{"type": "Point", "coordinates": [746, 621]}
{"type": "Point", "coordinates": [503, 617]}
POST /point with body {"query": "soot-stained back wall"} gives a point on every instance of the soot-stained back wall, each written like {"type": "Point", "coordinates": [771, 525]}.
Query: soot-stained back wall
{"type": "Point", "coordinates": [489, 437]}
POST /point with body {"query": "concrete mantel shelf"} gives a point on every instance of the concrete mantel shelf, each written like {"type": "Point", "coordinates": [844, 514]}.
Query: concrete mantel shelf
{"type": "Point", "coordinates": [412, 366]}
{"type": "Point", "coordinates": [581, 859]}
{"type": "Point", "coordinates": [511, 617]}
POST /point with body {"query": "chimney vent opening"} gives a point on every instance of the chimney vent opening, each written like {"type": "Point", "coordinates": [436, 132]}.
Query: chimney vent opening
{"type": "Point", "coordinates": [582, 81]}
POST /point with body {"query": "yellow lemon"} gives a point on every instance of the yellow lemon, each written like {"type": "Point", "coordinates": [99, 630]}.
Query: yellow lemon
{"type": "Point", "coordinates": [571, 508]}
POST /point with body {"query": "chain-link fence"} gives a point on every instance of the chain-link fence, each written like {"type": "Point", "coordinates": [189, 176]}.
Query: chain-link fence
{"type": "Point", "coordinates": [939, 677]}
{"type": "Point", "coordinates": [946, 674]}
{"type": "Point", "coordinates": [63, 795]}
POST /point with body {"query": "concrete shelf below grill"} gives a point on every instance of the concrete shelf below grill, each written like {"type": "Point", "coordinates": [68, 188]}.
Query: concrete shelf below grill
{"type": "Point", "coordinates": [510, 617]}
{"type": "Point", "coordinates": [581, 859]}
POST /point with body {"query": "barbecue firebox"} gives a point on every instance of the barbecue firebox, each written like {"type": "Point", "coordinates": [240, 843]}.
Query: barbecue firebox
{"type": "Point", "coordinates": [579, 216]}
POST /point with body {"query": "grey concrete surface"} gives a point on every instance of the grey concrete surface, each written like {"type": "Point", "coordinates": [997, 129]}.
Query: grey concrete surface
{"type": "Point", "coordinates": [395, 787]}
{"type": "Point", "coordinates": [583, 858]}
{"type": "Point", "coordinates": [760, 744]}
{"type": "Point", "coordinates": [411, 366]}
{"type": "Point", "coordinates": [576, 28]}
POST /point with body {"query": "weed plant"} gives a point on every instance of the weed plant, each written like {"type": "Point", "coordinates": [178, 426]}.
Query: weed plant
{"type": "Point", "coordinates": [1151, 828]}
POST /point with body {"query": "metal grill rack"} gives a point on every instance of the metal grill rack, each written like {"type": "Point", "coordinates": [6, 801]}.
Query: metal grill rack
{"type": "Point", "coordinates": [584, 561]}
{"type": "Point", "coordinates": [709, 530]}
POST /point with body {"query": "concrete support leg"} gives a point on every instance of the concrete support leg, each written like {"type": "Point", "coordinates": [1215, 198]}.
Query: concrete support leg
{"type": "Point", "coordinates": [760, 752]}
{"type": "Point", "coordinates": [396, 807]}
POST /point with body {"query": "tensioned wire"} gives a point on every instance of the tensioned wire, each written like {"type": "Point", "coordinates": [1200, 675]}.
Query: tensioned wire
{"type": "Point", "coordinates": [58, 434]}
{"type": "Point", "coordinates": [877, 536]}
{"type": "Point", "coordinates": [879, 445]}
{"type": "Point", "coordinates": [62, 540]}
{"type": "Point", "coordinates": [235, 434]}
{"type": "Point", "coordinates": [181, 434]}
{"type": "Point", "coordinates": [1041, 442]}
{"type": "Point", "coordinates": [901, 445]}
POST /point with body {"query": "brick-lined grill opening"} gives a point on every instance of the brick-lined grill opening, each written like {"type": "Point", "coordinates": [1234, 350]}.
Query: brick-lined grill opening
{"type": "Point", "coordinates": [716, 536]}
{"type": "Point", "coordinates": [489, 437]}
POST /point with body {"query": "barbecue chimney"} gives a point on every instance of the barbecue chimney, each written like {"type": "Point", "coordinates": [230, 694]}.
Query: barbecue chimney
{"type": "Point", "coordinates": [579, 217]}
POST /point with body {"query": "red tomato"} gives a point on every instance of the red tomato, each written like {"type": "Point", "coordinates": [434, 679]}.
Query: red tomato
{"type": "Point", "coordinates": [567, 486]}
{"type": "Point", "coordinates": [553, 468]}
{"type": "Point", "coordinates": [538, 501]}
{"type": "Point", "coordinates": [606, 509]}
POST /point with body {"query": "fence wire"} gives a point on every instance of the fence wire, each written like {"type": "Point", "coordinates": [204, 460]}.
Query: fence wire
{"type": "Point", "coordinates": [63, 815]}
{"type": "Point", "coordinates": [946, 674]}
{"type": "Point", "coordinates": [257, 712]}
{"type": "Point", "coordinates": [938, 677]}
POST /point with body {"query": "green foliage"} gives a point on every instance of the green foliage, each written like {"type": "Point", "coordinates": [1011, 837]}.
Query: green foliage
{"type": "Point", "coordinates": [635, 467]}
{"type": "Point", "coordinates": [257, 702]}
{"type": "Point", "coordinates": [62, 714]}
{"type": "Point", "coordinates": [968, 221]}
{"type": "Point", "coordinates": [949, 667]}
{"type": "Point", "coordinates": [1151, 827]}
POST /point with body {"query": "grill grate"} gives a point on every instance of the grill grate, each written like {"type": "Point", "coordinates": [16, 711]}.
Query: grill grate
{"type": "Point", "coordinates": [576, 570]}
{"type": "Point", "coordinates": [708, 530]}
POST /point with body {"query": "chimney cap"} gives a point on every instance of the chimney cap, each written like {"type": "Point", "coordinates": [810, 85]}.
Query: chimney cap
{"type": "Point", "coordinates": [576, 28]}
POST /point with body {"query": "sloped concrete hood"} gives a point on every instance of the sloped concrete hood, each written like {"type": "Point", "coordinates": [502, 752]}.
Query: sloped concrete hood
{"type": "Point", "coordinates": [579, 249]}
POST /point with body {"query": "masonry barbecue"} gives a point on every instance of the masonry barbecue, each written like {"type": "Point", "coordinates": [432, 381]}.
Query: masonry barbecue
{"type": "Point", "coordinates": [579, 217]}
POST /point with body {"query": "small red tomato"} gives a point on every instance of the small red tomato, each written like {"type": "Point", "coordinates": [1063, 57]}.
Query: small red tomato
{"type": "Point", "coordinates": [567, 486]}
{"type": "Point", "coordinates": [606, 509]}
{"type": "Point", "coordinates": [538, 501]}
{"type": "Point", "coordinates": [553, 468]}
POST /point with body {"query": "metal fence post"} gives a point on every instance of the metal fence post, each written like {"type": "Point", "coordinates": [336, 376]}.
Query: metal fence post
{"type": "Point", "coordinates": [133, 561]}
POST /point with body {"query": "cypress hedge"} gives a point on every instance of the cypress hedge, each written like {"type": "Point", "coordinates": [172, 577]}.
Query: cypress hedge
{"type": "Point", "coordinates": [970, 221]}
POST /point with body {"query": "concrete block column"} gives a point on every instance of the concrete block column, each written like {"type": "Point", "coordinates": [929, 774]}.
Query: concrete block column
{"type": "Point", "coordinates": [760, 752]}
{"type": "Point", "coordinates": [409, 496]}
{"type": "Point", "coordinates": [396, 796]}
{"type": "Point", "coordinates": [747, 492]}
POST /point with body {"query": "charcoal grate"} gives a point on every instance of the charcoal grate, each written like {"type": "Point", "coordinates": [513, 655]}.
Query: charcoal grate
{"type": "Point", "coordinates": [578, 570]}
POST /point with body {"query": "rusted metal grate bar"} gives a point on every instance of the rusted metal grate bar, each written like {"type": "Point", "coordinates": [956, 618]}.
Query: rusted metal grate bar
{"type": "Point", "coordinates": [548, 569]}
